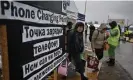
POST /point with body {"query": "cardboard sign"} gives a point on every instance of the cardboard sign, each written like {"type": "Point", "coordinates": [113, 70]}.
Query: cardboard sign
{"type": "Point", "coordinates": [35, 40]}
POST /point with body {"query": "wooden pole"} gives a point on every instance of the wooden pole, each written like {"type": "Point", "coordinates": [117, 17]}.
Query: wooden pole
{"type": "Point", "coordinates": [55, 74]}
{"type": "Point", "coordinates": [4, 51]}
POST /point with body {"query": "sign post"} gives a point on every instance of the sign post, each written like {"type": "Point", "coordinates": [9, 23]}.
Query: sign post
{"type": "Point", "coordinates": [55, 74]}
{"type": "Point", "coordinates": [3, 41]}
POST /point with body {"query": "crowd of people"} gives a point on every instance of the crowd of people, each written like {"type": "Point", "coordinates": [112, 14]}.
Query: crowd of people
{"type": "Point", "coordinates": [98, 37]}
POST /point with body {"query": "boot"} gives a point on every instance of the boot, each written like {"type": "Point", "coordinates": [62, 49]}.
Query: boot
{"type": "Point", "coordinates": [84, 62]}
{"type": "Point", "coordinates": [83, 77]}
{"type": "Point", "coordinates": [112, 62]}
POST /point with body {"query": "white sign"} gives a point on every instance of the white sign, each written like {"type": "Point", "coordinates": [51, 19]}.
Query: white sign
{"type": "Point", "coordinates": [45, 46]}
{"type": "Point", "coordinates": [31, 33]}
{"type": "Point", "coordinates": [37, 64]}
{"type": "Point", "coordinates": [41, 74]}
{"type": "Point", "coordinates": [20, 11]}
{"type": "Point", "coordinates": [65, 4]}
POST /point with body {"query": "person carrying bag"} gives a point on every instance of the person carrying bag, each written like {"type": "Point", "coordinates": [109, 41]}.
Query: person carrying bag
{"type": "Point", "coordinates": [98, 42]}
{"type": "Point", "coordinates": [77, 48]}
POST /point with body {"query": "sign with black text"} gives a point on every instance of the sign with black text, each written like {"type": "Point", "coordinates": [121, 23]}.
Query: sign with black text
{"type": "Point", "coordinates": [65, 4]}
{"type": "Point", "coordinates": [36, 41]}
{"type": "Point", "coordinates": [19, 11]}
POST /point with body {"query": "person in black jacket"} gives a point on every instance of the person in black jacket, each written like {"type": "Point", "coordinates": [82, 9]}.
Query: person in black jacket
{"type": "Point", "coordinates": [77, 47]}
{"type": "Point", "coordinates": [120, 30]}
{"type": "Point", "coordinates": [92, 29]}
{"type": "Point", "coordinates": [86, 30]}
{"type": "Point", "coordinates": [69, 30]}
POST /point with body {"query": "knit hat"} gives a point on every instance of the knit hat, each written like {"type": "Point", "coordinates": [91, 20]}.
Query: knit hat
{"type": "Point", "coordinates": [102, 26]}
{"type": "Point", "coordinates": [113, 24]}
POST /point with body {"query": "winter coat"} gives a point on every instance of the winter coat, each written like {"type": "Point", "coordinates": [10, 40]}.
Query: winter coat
{"type": "Point", "coordinates": [98, 37]}
{"type": "Point", "coordinates": [92, 29]}
{"type": "Point", "coordinates": [76, 43]}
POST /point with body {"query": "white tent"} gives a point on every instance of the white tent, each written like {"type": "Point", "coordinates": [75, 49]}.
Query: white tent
{"type": "Point", "coordinates": [96, 25]}
{"type": "Point", "coordinates": [72, 12]}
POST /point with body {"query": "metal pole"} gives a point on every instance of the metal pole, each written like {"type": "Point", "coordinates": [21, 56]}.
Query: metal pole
{"type": "Point", "coordinates": [85, 7]}
{"type": "Point", "coordinates": [86, 26]}
{"type": "Point", "coordinates": [108, 18]}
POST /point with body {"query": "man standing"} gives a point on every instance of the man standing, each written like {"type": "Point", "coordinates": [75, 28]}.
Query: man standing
{"type": "Point", "coordinates": [120, 31]}
{"type": "Point", "coordinates": [69, 33]}
{"type": "Point", "coordinates": [92, 29]}
{"type": "Point", "coordinates": [113, 41]}
{"type": "Point", "coordinates": [86, 29]}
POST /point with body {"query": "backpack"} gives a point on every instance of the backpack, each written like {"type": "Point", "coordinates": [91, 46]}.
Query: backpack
{"type": "Point", "coordinates": [90, 37]}
{"type": "Point", "coordinates": [91, 33]}
{"type": "Point", "coordinates": [97, 35]}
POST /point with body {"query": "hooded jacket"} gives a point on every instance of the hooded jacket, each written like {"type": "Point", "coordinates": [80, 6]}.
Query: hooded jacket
{"type": "Point", "coordinates": [76, 42]}
{"type": "Point", "coordinates": [98, 37]}
{"type": "Point", "coordinates": [92, 29]}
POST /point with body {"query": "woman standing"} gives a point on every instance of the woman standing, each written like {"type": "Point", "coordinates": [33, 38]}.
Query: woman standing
{"type": "Point", "coordinates": [77, 47]}
{"type": "Point", "coordinates": [98, 40]}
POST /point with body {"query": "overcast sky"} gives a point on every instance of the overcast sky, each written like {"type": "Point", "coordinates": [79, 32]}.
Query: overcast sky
{"type": "Point", "coordinates": [99, 10]}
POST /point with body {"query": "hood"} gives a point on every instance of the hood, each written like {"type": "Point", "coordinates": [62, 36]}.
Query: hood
{"type": "Point", "coordinates": [77, 25]}
{"type": "Point", "coordinates": [113, 24]}
{"type": "Point", "coordinates": [102, 26]}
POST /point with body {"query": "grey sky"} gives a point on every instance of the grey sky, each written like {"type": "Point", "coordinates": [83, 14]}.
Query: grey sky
{"type": "Point", "coordinates": [99, 10]}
